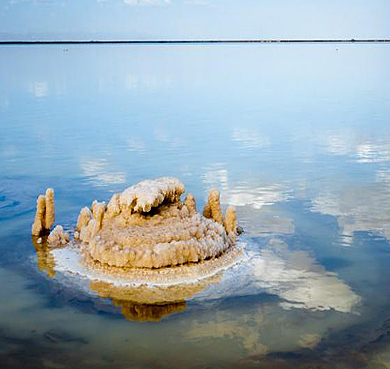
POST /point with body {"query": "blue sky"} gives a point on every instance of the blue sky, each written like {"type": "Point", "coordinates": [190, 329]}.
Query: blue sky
{"type": "Point", "coordinates": [191, 19]}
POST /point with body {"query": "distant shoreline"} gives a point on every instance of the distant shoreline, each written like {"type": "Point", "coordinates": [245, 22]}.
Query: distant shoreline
{"type": "Point", "coordinates": [70, 42]}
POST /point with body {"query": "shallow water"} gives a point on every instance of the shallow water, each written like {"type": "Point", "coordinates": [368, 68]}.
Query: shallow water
{"type": "Point", "coordinates": [297, 137]}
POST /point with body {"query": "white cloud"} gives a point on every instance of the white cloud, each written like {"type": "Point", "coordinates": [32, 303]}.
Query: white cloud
{"type": "Point", "coordinates": [16, 2]}
{"type": "Point", "coordinates": [196, 2]}
{"type": "Point", "coordinates": [147, 2]}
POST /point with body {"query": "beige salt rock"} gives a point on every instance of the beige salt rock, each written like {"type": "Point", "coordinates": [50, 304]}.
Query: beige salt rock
{"type": "Point", "coordinates": [148, 226]}
{"type": "Point", "coordinates": [151, 193]}
{"type": "Point", "coordinates": [39, 221]}
{"type": "Point", "coordinates": [190, 202]}
{"type": "Point", "coordinates": [45, 213]}
{"type": "Point", "coordinates": [213, 209]}
{"type": "Point", "coordinates": [84, 218]}
{"type": "Point", "coordinates": [50, 214]}
{"type": "Point", "coordinates": [98, 213]}
{"type": "Point", "coordinates": [58, 236]}
{"type": "Point", "coordinates": [113, 207]}
{"type": "Point", "coordinates": [231, 220]}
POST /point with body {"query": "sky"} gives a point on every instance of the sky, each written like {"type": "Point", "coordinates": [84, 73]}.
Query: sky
{"type": "Point", "coordinates": [193, 19]}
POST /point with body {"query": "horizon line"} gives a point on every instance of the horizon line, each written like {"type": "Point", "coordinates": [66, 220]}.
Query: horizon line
{"type": "Point", "coordinates": [63, 42]}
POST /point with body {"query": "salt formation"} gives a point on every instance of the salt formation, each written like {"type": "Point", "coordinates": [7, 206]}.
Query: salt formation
{"type": "Point", "coordinates": [145, 231]}
{"type": "Point", "coordinates": [44, 220]}
{"type": "Point", "coordinates": [45, 214]}
{"type": "Point", "coordinates": [145, 235]}
{"type": "Point", "coordinates": [148, 226]}
{"type": "Point", "coordinates": [58, 237]}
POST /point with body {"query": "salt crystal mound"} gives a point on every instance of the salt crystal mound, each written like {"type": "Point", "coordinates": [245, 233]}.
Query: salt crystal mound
{"type": "Point", "coordinates": [148, 226]}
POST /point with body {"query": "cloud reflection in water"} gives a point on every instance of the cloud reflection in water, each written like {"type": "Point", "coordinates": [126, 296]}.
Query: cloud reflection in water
{"type": "Point", "coordinates": [100, 173]}
{"type": "Point", "coordinates": [300, 281]}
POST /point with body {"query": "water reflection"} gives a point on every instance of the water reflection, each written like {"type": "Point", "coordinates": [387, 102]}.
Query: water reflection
{"type": "Point", "coordinates": [100, 173]}
{"type": "Point", "coordinates": [361, 148]}
{"type": "Point", "coordinates": [296, 137]}
{"type": "Point", "coordinates": [131, 308]}
{"type": "Point", "coordinates": [136, 144]}
{"type": "Point", "coordinates": [256, 197]}
{"type": "Point", "coordinates": [373, 152]}
{"type": "Point", "coordinates": [300, 281]}
{"type": "Point", "coordinates": [243, 194]}
{"type": "Point", "coordinates": [249, 139]}
{"type": "Point", "coordinates": [296, 278]}
{"type": "Point", "coordinates": [40, 88]}
{"type": "Point", "coordinates": [288, 303]}
{"type": "Point", "coordinates": [45, 258]}
{"type": "Point", "coordinates": [362, 208]}
{"type": "Point", "coordinates": [147, 303]}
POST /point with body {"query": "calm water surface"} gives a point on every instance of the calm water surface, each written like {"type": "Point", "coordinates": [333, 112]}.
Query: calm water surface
{"type": "Point", "coordinates": [297, 137]}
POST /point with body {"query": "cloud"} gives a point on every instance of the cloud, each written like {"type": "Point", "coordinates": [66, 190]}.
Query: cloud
{"type": "Point", "coordinates": [147, 2]}
{"type": "Point", "coordinates": [196, 2]}
{"type": "Point", "coordinates": [16, 2]}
